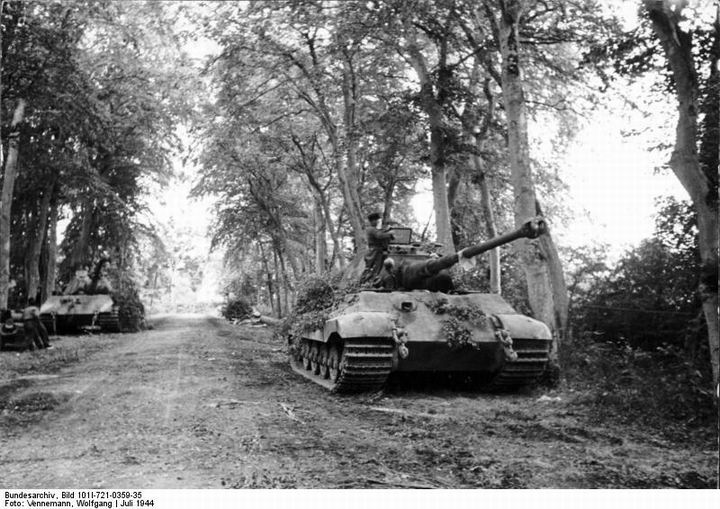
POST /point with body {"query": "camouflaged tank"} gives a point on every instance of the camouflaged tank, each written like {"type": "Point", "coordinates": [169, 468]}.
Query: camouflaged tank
{"type": "Point", "coordinates": [86, 305]}
{"type": "Point", "coordinates": [71, 313]}
{"type": "Point", "coordinates": [376, 331]}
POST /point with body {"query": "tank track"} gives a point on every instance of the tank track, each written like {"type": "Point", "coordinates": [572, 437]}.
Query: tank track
{"type": "Point", "coordinates": [356, 365]}
{"type": "Point", "coordinates": [105, 322]}
{"type": "Point", "coordinates": [532, 359]}
{"type": "Point", "coordinates": [108, 322]}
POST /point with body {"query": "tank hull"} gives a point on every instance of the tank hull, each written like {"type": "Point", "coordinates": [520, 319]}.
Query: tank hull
{"type": "Point", "coordinates": [72, 313]}
{"type": "Point", "coordinates": [374, 333]}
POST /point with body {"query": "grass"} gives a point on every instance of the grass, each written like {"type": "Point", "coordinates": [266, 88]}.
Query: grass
{"type": "Point", "coordinates": [16, 368]}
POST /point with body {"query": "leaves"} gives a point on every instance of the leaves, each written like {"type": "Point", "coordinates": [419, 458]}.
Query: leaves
{"type": "Point", "coordinates": [106, 84]}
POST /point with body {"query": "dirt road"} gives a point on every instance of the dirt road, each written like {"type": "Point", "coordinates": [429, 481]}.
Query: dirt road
{"type": "Point", "coordinates": [199, 403]}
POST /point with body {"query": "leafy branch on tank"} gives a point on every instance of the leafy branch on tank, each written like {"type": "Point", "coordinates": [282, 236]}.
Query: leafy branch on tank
{"type": "Point", "coordinates": [470, 313]}
{"type": "Point", "coordinates": [456, 334]}
{"type": "Point", "coordinates": [316, 299]}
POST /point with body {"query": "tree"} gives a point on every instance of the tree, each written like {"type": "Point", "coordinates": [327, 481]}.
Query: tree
{"type": "Point", "coordinates": [701, 182]}
{"type": "Point", "coordinates": [312, 92]}
{"type": "Point", "coordinates": [102, 102]}
{"type": "Point", "coordinates": [8, 188]}
{"type": "Point", "coordinates": [433, 98]}
{"type": "Point", "coordinates": [649, 298]}
{"type": "Point", "coordinates": [546, 294]}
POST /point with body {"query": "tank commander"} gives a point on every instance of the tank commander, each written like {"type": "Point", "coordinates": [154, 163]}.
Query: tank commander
{"type": "Point", "coordinates": [378, 240]}
{"type": "Point", "coordinates": [80, 281]}
{"type": "Point", "coordinates": [100, 282]}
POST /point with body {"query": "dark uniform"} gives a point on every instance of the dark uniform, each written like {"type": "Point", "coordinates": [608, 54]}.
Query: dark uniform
{"type": "Point", "coordinates": [100, 284]}
{"type": "Point", "coordinates": [79, 283]}
{"type": "Point", "coordinates": [378, 241]}
{"type": "Point", "coordinates": [35, 333]}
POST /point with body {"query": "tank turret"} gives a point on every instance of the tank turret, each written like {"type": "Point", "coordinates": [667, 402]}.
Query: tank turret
{"type": "Point", "coordinates": [405, 268]}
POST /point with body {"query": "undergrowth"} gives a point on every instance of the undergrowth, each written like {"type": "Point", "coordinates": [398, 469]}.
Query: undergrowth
{"type": "Point", "coordinates": [131, 312]}
{"type": "Point", "coordinates": [236, 309]}
{"type": "Point", "coordinates": [659, 389]}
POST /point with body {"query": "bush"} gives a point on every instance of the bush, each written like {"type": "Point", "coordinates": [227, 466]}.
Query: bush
{"type": "Point", "coordinates": [649, 298]}
{"type": "Point", "coordinates": [237, 309]}
{"type": "Point", "coordinates": [131, 311]}
{"type": "Point", "coordinates": [660, 389]}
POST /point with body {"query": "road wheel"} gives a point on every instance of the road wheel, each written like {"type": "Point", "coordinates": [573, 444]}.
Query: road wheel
{"type": "Point", "coordinates": [324, 369]}
{"type": "Point", "coordinates": [305, 352]}
{"type": "Point", "coordinates": [333, 363]}
{"type": "Point", "coordinates": [314, 359]}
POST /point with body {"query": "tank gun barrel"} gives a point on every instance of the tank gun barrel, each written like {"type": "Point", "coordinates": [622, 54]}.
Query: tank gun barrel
{"type": "Point", "coordinates": [532, 229]}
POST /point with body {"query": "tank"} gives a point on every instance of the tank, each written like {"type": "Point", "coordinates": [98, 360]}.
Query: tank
{"type": "Point", "coordinates": [420, 324]}
{"type": "Point", "coordinates": [12, 336]}
{"type": "Point", "coordinates": [88, 306]}
{"type": "Point", "coordinates": [71, 313]}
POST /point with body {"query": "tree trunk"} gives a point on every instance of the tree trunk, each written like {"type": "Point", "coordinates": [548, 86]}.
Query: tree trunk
{"type": "Point", "coordinates": [546, 300]}
{"type": "Point", "coordinates": [440, 201]}
{"type": "Point", "coordinates": [433, 108]}
{"type": "Point", "coordinates": [320, 243]}
{"type": "Point", "coordinates": [269, 280]}
{"type": "Point", "coordinates": [287, 287]}
{"type": "Point", "coordinates": [561, 300]}
{"type": "Point", "coordinates": [32, 260]}
{"type": "Point", "coordinates": [318, 103]}
{"type": "Point", "coordinates": [323, 210]}
{"type": "Point", "coordinates": [476, 136]}
{"type": "Point", "coordinates": [337, 254]}
{"type": "Point", "coordinates": [6, 197]}
{"type": "Point", "coordinates": [48, 286]}
{"type": "Point", "coordinates": [334, 235]}
{"type": "Point", "coordinates": [388, 193]}
{"type": "Point", "coordinates": [531, 256]}
{"type": "Point", "coordinates": [489, 216]}
{"type": "Point", "coordinates": [685, 163]}
{"type": "Point", "coordinates": [354, 214]}
{"type": "Point", "coordinates": [278, 290]}
{"type": "Point", "coordinates": [80, 252]}
{"type": "Point", "coordinates": [351, 177]}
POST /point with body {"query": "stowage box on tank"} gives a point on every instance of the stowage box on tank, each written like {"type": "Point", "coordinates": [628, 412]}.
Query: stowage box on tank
{"type": "Point", "coordinates": [409, 328]}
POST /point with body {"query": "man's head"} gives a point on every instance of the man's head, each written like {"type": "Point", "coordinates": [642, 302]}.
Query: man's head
{"type": "Point", "coordinates": [374, 218]}
{"type": "Point", "coordinates": [388, 264]}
